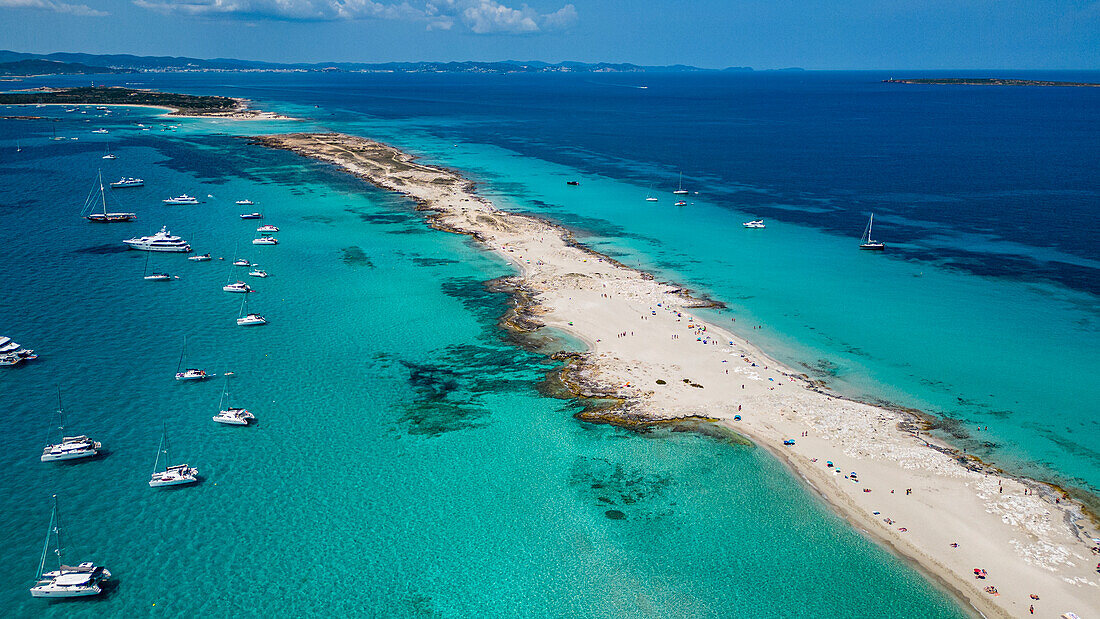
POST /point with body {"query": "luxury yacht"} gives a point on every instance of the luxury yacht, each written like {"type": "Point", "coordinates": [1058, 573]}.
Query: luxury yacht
{"type": "Point", "coordinates": [66, 581]}
{"type": "Point", "coordinates": [182, 199]}
{"type": "Point", "coordinates": [70, 447]}
{"type": "Point", "coordinates": [258, 273]}
{"type": "Point", "coordinates": [90, 204]}
{"type": "Point", "coordinates": [266, 239]}
{"type": "Point", "coordinates": [237, 286]}
{"type": "Point", "coordinates": [175, 475]}
{"type": "Point", "coordinates": [245, 202]}
{"type": "Point", "coordinates": [202, 258]}
{"type": "Point", "coordinates": [756, 223]}
{"type": "Point", "coordinates": [251, 216]}
{"type": "Point", "coordinates": [241, 262]}
{"type": "Point", "coordinates": [127, 181]}
{"type": "Point", "coordinates": [161, 241]}
{"type": "Point", "coordinates": [268, 228]}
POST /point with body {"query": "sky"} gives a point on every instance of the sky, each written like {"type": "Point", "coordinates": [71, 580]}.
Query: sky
{"type": "Point", "coordinates": [813, 34]}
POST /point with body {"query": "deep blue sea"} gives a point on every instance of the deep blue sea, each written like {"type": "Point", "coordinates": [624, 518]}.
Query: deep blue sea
{"type": "Point", "coordinates": [405, 463]}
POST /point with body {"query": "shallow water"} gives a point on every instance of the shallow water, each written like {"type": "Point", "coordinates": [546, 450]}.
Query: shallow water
{"type": "Point", "coordinates": [404, 463]}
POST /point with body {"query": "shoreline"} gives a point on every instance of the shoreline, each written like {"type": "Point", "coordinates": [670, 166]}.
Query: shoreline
{"type": "Point", "coordinates": [1031, 542]}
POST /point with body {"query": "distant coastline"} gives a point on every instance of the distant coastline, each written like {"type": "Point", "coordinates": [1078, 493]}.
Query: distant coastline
{"type": "Point", "coordinates": [986, 81]}
{"type": "Point", "coordinates": [177, 104]}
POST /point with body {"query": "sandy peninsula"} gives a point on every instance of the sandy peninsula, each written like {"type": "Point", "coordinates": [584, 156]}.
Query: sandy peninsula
{"type": "Point", "coordinates": [647, 351]}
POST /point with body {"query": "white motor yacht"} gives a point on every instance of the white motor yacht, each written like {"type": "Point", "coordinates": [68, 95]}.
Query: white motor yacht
{"type": "Point", "coordinates": [268, 228]}
{"type": "Point", "coordinates": [193, 374]}
{"type": "Point", "coordinates": [100, 131]}
{"type": "Point", "coordinates": [70, 447]}
{"type": "Point", "coordinates": [245, 202]}
{"type": "Point", "coordinates": [265, 240]}
{"type": "Point", "coordinates": [238, 286]}
{"type": "Point", "coordinates": [756, 223]}
{"type": "Point", "coordinates": [172, 475]}
{"type": "Point", "coordinates": [182, 199]}
{"type": "Point", "coordinates": [127, 181]}
{"type": "Point", "coordinates": [251, 319]}
{"type": "Point", "coordinates": [242, 262]}
{"type": "Point", "coordinates": [202, 258]}
{"type": "Point", "coordinates": [251, 216]}
{"type": "Point", "coordinates": [258, 273]}
{"type": "Point", "coordinates": [161, 241]}
{"type": "Point", "coordinates": [66, 581]}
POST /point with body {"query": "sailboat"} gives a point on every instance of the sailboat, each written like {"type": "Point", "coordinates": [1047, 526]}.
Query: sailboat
{"type": "Point", "coordinates": [154, 276]}
{"type": "Point", "coordinates": [172, 475]}
{"type": "Point", "coordinates": [103, 216]}
{"type": "Point", "coordinates": [229, 415]}
{"type": "Point", "coordinates": [70, 447]}
{"type": "Point", "coordinates": [866, 242]}
{"type": "Point", "coordinates": [18, 148]}
{"type": "Point", "coordinates": [649, 197]}
{"type": "Point", "coordinates": [189, 373]}
{"type": "Point", "coordinates": [235, 286]}
{"type": "Point", "coordinates": [109, 154]}
{"type": "Point", "coordinates": [680, 189]}
{"type": "Point", "coordinates": [66, 581]}
{"type": "Point", "coordinates": [55, 138]}
{"type": "Point", "coordinates": [246, 319]}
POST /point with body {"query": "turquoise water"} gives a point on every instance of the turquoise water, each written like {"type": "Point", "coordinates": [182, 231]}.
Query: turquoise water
{"type": "Point", "coordinates": [404, 463]}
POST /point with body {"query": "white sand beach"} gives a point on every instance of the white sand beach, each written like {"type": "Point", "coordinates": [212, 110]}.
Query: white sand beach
{"type": "Point", "coordinates": [916, 495]}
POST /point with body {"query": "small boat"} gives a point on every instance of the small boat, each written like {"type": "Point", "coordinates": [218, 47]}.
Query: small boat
{"type": "Point", "coordinates": [154, 276]}
{"type": "Point", "coordinates": [756, 223]}
{"type": "Point", "coordinates": [109, 154]}
{"type": "Point", "coordinates": [573, 183]}
{"type": "Point", "coordinates": [127, 181]}
{"type": "Point", "coordinates": [230, 415]}
{"type": "Point", "coordinates": [161, 241]}
{"type": "Point", "coordinates": [244, 202]}
{"type": "Point", "coordinates": [866, 242]}
{"type": "Point", "coordinates": [265, 239]}
{"type": "Point", "coordinates": [268, 228]}
{"type": "Point", "coordinates": [100, 131]}
{"type": "Point", "coordinates": [246, 319]}
{"type": "Point", "coordinates": [258, 273]}
{"type": "Point", "coordinates": [202, 258]}
{"type": "Point", "coordinates": [681, 203]}
{"type": "Point", "coordinates": [238, 286]}
{"type": "Point", "coordinates": [182, 199]}
{"type": "Point", "coordinates": [70, 447]}
{"type": "Point", "coordinates": [680, 189]}
{"type": "Point", "coordinates": [251, 216]}
{"type": "Point", "coordinates": [241, 262]}
{"type": "Point", "coordinates": [66, 581]}
{"type": "Point", "coordinates": [649, 197]}
{"type": "Point", "coordinates": [103, 216]}
{"type": "Point", "coordinates": [189, 373]}
{"type": "Point", "coordinates": [11, 353]}
{"type": "Point", "coordinates": [172, 475]}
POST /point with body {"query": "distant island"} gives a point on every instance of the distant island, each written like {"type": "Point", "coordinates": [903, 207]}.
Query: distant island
{"type": "Point", "coordinates": [111, 63]}
{"type": "Point", "coordinates": [34, 66]}
{"type": "Point", "coordinates": [986, 81]}
{"type": "Point", "coordinates": [181, 105]}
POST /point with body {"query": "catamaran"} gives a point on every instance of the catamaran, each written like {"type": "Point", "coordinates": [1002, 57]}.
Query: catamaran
{"type": "Point", "coordinates": [268, 228]}
{"type": "Point", "coordinates": [103, 216]}
{"type": "Point", "coordinates": [66, 581]}
{"type": "Point", "coordinates": [258, 273]}
{"type": "Point", "coordinates": [172, 475]}
{"type": "Point", "coordinates": [189, 373]}
{"type": "Point", "coordinates": [680, 189]}
{"type": "Point", "coordinates": [756, 223]}
{"type": "Point", "coordinates": [230, 415]}
{"type": "Point", "coordinates": [265, 239]}
{"type": "Point", "coordinates": [70, 447]}
{"type": "Point", "coordinates": [866, 242]}
{"type": "Point", "coordinates": [247, 319]}
{"type": "Point", "coordinates": [237, 286]}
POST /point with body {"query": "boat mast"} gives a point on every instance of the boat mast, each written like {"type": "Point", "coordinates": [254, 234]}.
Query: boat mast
{"type": "Point", "coordinates": [54, 528]}
{"type": "Point", "coordinates": [60, 414]}
{"type": "Point", "coordinates": [163, 449]}
{"type": "Point", "coordinates": [102, 195]}
{"type": "Point", "coordinates": [182, 350]}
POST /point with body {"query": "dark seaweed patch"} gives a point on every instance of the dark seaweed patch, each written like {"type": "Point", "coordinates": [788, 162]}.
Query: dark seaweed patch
{"type": "Point", "coordinates": [632, 491]}
{"type": "Point", "coordinates": [356, 257]}
{"type": "Point", "coordinates": [107, 248]}
{"type": "Point", "coordinates": [321, 219]}
{"type": "Point", "coordinates": [424, 261]}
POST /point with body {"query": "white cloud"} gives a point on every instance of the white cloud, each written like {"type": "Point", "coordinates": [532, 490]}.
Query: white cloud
{"type": "Point", "coordinates": [478, 16]}
{"type": "Point", "coordinates": [82, 10]}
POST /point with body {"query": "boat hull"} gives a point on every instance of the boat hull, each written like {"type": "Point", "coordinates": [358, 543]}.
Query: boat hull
{"type": "Point", "coordinates": [873, 246]}
{"type": "Point", "coordinates": [175, 481]}
{"type": "Point", "coordinates": [171, 249]}
{"type": "Point", "coordinates": [72, 455]}
{"type": "Point", "coordinates": [51, 591]}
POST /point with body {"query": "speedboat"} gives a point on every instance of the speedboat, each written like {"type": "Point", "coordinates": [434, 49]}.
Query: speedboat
{"type": "Point", "coordinates": [241, 262]}
{"type": "Point", "coordinates": [268, 228]}
{"type": "Point", "coordinates": [258, 273]}
{"type": "Point", "coordinates": [71, 448]}
{"type": "Point", "coordinates": [756, 223]}
{"type": "Point", "coordinates": [651, 199]}
{"type": "Point", "coordinates": [251, 216]}
{"type": "Point", "coordinates": [265, 240]}
{"type": "Point", "coordinates": [234, 417]}
{"type": "Point", "coordinates": [245, 202]}
{"type": "Point", "coordinates": [681, 203]}
{"type": "Point", "coordinates": [161, 241]}
{"type": "Point", "coordinates": [193, 374]}
{"type": "Point", "coordinates": [238, 286]}
{"type": "Point", "coordinates": [100, 131]}
{"type": "Point", "coordinates": [157, 277]}
{"type": "Point", "coordinates": [202, 258]}
{"type": "Point", "coordinates": [182, 199]}
{"type": "Point", "coordinates": [174, 476]}
{"type": "Point", "coordinates": [109, 156]}
{"type": "Point", "coordinates": [251, 319]}
{"type": "Point", "coordinates": [127, 181]}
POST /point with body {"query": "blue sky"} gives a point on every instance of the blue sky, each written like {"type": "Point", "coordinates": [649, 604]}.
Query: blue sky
{"type": "Point", "coordinates": [815, 34]}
